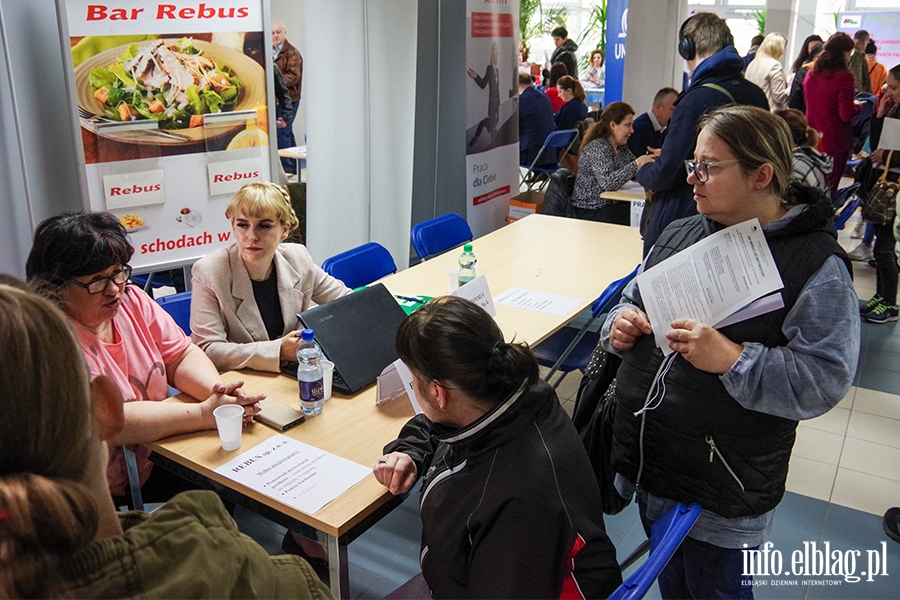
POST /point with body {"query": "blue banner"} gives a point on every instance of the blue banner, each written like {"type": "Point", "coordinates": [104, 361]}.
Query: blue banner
{"type": "Point", "coordinates": [616, 34]}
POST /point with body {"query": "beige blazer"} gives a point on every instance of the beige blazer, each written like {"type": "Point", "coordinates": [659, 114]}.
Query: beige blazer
{"type": "Point", "coordinates": [767, 73]}
{"type": "Point", "coordinates": [225, 320]}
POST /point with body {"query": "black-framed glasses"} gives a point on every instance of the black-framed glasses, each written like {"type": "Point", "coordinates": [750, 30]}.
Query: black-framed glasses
{"type": "Point", "coordinates": [700, 168]}
{"type": "Point", "coordinates": [99, 285]}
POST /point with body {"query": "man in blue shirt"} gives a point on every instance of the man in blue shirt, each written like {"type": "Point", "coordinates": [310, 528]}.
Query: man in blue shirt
{"type": "Point", "coordinates": [535, 121]}
{"type": "Point", "coordinates": [649, 128]}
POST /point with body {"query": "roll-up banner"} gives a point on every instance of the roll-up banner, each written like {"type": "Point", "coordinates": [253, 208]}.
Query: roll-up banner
{"type": "Point", "coordinates": [616, 36]}
{"type": "Point", "coordinates": [492, 112]}
{"type": "Point", "coordinates": [883, 28]}
{"type": "Point", "coordinates": [171, 108]}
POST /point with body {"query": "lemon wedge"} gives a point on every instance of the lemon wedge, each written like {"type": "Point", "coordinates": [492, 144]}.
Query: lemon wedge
{"type": "Point", "coordinates": [249, 138]}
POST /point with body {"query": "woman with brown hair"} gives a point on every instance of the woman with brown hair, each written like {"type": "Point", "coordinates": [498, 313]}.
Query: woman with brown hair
{"type": "Point", "coordinates": [810, 165]}
{"type": "Point", "coordinates": [557, 70]}
{"type": "Point", "coordinates": [574, 110]}
{"type": "Point", "coordinates": [828, 93]}
{"type": "Point", "coordinates": [60, 534]}
{"type": "Point", "coordinates": [605, 164]}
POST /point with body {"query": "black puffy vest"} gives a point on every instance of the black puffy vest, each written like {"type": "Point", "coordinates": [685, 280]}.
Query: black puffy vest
{"type": "Point", "coordinates": [697, 412]}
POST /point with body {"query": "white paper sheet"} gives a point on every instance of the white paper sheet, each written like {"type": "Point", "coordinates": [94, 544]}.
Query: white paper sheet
{"type": "Point", "coordinates": [890, 135]}
{"type": "Point", "coordinates": [539, 301]}
{"type": "Point", "coordinates": [710, 280]}
{"type": "Point", "coordinates": [294, 473]}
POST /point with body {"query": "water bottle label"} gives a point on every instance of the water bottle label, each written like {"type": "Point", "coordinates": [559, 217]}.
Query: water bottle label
{"type": "Point", "coordinates": [312, 391]}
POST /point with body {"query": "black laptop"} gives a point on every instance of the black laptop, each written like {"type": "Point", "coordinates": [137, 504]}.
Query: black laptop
{"type": "Point", "coordinates": [357, 333]}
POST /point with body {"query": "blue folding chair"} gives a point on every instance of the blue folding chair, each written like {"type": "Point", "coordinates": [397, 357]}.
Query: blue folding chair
{"type": "Point", "coordinates": [568, 349]}
{"type": "Point", "coordinates": [666, 536]}
{"type": "Point", "coordinates": [564, 138]}
{"type": "Point", "coordinates": [179, 307]}
{"type": "Point", "coordinates": [439, 234]}
{"type": "Point", "coordinates": [361, 265]}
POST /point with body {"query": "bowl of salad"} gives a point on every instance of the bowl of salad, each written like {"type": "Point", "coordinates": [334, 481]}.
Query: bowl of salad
{"type": "Point", "coordinates": [175, 82]}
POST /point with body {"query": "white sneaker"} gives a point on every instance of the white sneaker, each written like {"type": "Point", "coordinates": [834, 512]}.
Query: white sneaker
{"type": "Point", "coordinates": [862, 252]}
{"type": "Point", "coordinates": [858, 230]}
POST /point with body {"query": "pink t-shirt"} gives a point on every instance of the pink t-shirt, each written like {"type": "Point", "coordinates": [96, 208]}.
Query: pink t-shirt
{"type": "Point", "coordinates": [146, 340]}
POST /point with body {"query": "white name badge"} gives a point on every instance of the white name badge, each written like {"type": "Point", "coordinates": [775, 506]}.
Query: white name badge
{"type": "Point", "coordinates": [228, 177]}
{"type": "Point", "coordinates": [134, 189]}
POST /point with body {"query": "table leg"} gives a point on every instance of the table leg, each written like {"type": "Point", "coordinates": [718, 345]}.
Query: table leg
{"type": "Point", "coordinates": [338, 567]}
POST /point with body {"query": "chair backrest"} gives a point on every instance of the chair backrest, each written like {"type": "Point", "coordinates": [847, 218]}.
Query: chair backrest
{"type": "Point", "coordinates": [842, 195]}
{"type": "Point", "coordinates": [179, 307]}
{"type": "Point", "coordinates": [610, 296]}
{"type": "Point", "coordinates": [439, 234]}
{"type": "Point", "coordinates": [666, 536]}
{"type": "Point", "coordinates": [361, 265]}
{"type": "Point", "coordinates": [562, 138]}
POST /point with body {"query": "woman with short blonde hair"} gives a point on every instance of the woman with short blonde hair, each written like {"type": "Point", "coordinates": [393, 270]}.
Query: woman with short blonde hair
{"type": "Point", "coordinates": [766, 71]}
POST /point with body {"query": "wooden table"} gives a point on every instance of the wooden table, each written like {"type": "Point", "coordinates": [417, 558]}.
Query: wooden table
{"type": "Point", "coordinates": [563, 256]}
{"type": "Point", "coordinates": [298, 153]}
{"type": "Point", "coordinates": [628, 192]}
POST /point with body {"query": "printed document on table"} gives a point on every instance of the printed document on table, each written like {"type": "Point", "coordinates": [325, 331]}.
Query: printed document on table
{"type": "Point", "coordinates": [709, 280]}
{"type": "Point", "coordinates": [540, 301]}
{"type": "Point", "coordinates": [294, 473]}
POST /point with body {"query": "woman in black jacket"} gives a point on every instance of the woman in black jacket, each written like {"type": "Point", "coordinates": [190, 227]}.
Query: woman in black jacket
{"type": "Point", "coordinates": [510, 506]}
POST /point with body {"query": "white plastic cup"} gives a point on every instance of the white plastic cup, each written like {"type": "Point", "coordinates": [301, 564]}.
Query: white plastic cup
{"type": "Point", "coordinates": [327, 376]}
{"type": "Point", "coordinates": [229, 422]}
{"type": "Point", "coordinates": [452, 280]}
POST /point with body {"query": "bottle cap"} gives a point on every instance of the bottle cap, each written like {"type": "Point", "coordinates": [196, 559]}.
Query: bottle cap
{"type": "Point", "coordinates": [307, 334]}
{"type": "Point", "coordinates": [467, 248]}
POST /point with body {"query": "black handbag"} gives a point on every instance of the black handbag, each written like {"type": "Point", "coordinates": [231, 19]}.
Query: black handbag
{"type": "Point", "coordinates": [594, 417]}
{"type": "Point", "coordinates": [880, 205]}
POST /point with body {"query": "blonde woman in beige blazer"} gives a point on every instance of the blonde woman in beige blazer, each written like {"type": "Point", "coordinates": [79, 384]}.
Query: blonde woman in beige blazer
{"type": "Point", "coordinates": [766, 71]}
{"type": "Point", "coordinates": [226, 317]}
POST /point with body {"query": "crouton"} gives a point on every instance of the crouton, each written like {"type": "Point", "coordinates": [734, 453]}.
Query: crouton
{"type": "Point", "coordinates": [156, 107]}
{"type": "Point", "coordinates": [127, 112]}
{"type": "Point", "coordinates": [102, 95]}
{"type": "Point", "coordinates": [196, 121]}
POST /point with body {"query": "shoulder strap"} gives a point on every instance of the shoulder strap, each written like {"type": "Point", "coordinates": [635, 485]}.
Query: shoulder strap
{"type": "Point", "coordinates": [719, 88]}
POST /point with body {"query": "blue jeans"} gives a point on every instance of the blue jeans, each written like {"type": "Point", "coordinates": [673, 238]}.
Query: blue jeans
{"type": "Point", "coordinates": [285, 137]}
{"type": "Point", "coordinates": [701, 570]}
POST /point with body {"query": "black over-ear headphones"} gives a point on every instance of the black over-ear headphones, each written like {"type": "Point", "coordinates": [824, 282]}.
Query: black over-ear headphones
{"type": "Point", "coordinates": [686, 47]}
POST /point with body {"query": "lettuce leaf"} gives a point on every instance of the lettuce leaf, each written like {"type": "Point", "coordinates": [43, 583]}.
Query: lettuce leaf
{"type": "Point", "coordinates": [123, 75]}
{"type": "Point", "coordinates": [186, 45]}
{"type": "Point", "coordinates": [100, 77]}
{"type": "Point", "coordinates": [197, 103]}
{"type": "Point", "coordinates": [213, 100]}
{"type": "Point", "coordinates": [130, 53]}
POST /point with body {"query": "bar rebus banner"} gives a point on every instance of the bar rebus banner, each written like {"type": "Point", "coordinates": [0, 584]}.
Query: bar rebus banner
{"type": "Point", "coordinates": [172, 115]}
{"type": "Point", "coordinates": [492, 112]}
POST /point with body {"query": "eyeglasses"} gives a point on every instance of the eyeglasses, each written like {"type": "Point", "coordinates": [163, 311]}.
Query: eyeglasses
{"type": "Point", "coordinates": [99, 285]}
{"type": "Point", "coordinates": [700, 168]}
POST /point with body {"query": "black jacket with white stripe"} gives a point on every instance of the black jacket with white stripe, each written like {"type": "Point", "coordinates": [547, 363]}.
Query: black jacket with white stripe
{"type": "Point", "coordinates": [510, 506]}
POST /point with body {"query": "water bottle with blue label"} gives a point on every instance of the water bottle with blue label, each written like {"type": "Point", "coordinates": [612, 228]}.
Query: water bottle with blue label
{"type": "Point", "coordinates": [309, 373]}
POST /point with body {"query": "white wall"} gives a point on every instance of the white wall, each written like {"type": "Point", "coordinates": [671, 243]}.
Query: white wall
{"type": "Point", "coordinates": [652, 61]}
{"type": "Point", "coordinates": [359, 89]}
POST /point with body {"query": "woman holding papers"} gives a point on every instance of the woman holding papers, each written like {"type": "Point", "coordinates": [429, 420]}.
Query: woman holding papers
{"type": "Point", "coordinates": [60, 534]}
{"type": "Point", "coordinates": [246, 297]}
{"type": "Point", "coordinates": [882, 307]}
{"type": "Point", "coordinates": [714, 421]}
{"type": "Point", "coordinates": [80, 260]}
{"type": "Point", "coordinates": [509, 500]}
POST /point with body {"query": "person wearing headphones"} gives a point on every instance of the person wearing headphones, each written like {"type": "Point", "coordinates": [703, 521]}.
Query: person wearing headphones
{"type": "Point", "coordinates": [706, 44]}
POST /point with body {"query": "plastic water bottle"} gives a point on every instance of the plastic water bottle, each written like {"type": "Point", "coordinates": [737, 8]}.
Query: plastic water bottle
{"type": "Point", "coordinates": [467, 262]}
{"type": "Point", "coordinates": [309, 373]}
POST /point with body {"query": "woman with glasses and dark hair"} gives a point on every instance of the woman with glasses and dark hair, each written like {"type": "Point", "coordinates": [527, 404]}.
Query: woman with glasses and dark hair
{"type": "Point", "coordinates": [80, 260]}
{"type": "Point", "coordinates": [510, 505]}
{"type": "Point", "coordinates": [714, 422]}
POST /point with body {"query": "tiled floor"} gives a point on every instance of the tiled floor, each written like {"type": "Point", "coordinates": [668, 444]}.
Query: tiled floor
{"type": "Point", "coordinates": [845, 472]}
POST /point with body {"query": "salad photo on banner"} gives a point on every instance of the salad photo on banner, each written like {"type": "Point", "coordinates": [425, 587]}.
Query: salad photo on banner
{"type": "Point", "coordinates": [152, 96]}
{"type": "Point", "coordinates": [170, 101]}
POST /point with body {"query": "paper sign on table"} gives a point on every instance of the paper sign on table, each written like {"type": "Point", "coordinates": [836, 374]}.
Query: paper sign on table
{"type": "Point", "coordinates": [395, 381]}
{"type": "Point", "coordinates": [551, 304]}
{"type": "Point", "coordinates": [477, 291]}
{"type": "Point", "coordinates": [709, 280]}
{"type": "Point", "coordinates": [890, 135]}
{"type": "Point", "coordinates": [296, 474]}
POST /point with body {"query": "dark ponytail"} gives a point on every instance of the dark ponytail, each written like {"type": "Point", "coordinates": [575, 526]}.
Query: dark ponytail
{"type": "Point", "coordinates": [456, 342]}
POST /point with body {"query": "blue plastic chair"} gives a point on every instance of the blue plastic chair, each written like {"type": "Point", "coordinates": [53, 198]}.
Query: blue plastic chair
{"type": "Point", "coordinates": [179, 307]}
{"type": "Point", "coordinates": [666, 536]}
{"type": "Point", "coordinates": [842, 195]}
{"type": "Point", "coordinates": [439, 234]}
{"type": "Point", "coordinates": [564, 138]}
{"type": "Point", "coordinates": [568, 349]}
{"type": "Point", "coordinates": [361, 265]}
